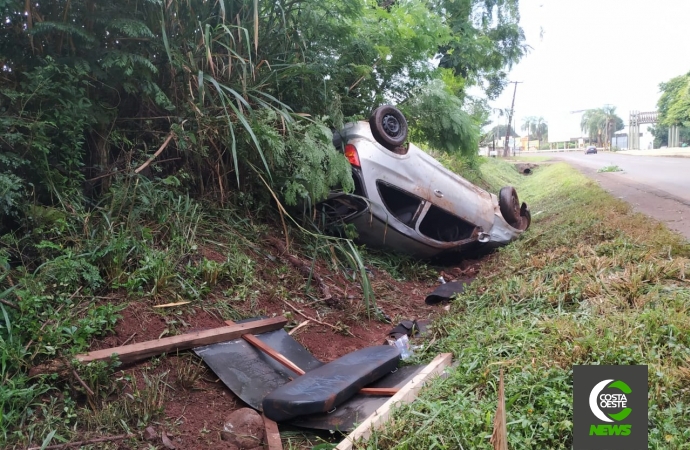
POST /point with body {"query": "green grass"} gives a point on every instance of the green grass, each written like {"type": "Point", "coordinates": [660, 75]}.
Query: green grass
{"type": "Point", "coordinates": [591, 282]}
{"type": "Point", "coordinates": [610, 169]}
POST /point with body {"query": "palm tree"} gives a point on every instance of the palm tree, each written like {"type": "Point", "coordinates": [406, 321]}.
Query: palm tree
{"type": "Point", "coordinates": [528, 124]}
{"type": "Point", "coordinates": [601, 123]}
{"type": "Point", "coordinates": [592, 123]}
{"type": "Point", "coordinates": [541, 128]}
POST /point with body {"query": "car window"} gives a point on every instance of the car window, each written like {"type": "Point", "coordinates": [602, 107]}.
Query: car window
{"type": "Point", "coordinates": [401, 204]}
{"type": "Point", "coordinates": [443, 226]}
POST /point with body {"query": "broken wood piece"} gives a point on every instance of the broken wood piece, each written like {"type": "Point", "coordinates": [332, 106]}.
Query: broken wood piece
{"type": "Point", "coordinates": [406, 395]}
{"type": "Point", "coordinates": [170, 305]}
{"type": "Point", "coordinates": [384, 392]}
{"type": "Point", "coordinates": [270, 351]}
{"type": "Point", "coordinates": [273, 441]}
{"type": "Point", "coordinates": [136, 352]}
{"type": "Point", "coordinates": [301, 325]}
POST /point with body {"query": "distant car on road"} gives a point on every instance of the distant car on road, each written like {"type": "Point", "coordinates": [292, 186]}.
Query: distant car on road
{"type": "Point", "coordinates": [591, 149]}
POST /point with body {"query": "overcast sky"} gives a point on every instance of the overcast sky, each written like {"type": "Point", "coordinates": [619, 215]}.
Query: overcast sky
{"type": "Point", "coordinates": [588, 53]}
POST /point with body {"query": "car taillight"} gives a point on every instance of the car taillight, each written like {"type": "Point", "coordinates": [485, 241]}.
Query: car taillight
{"type": "Point", "coordinates": [351, 155]}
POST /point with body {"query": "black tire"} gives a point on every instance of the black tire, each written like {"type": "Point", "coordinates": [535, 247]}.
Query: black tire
{"type": "Point", "coordinates": [389, 127]}
{"type": "Point", "coordinates": [509, 205]}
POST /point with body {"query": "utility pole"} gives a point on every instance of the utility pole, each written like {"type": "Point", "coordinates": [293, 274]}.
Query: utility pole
{"type": "Point", "coordinates": [506, 151]}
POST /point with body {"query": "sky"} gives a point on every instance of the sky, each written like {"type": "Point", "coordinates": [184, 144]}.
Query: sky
{"type": "Point", "coordinates": [588, 53]}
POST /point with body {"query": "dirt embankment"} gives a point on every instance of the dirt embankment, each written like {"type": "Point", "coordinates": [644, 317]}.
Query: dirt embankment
{"type": "Point", "coordinates": [195, 403]}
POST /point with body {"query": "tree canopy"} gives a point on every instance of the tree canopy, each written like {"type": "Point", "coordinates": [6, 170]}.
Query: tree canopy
{"type": "Point", "coordinates": [674, 103]}
{"type": "Point", "coordinates": [499, 132]}
{"type": "Point", "coordinates": [225, 89]}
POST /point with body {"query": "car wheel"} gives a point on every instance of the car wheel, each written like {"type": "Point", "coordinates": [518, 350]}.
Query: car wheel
{"type": "Point", "coordinates": [509, 205]}
{"type": "Point", "coordinates": [389, 127]}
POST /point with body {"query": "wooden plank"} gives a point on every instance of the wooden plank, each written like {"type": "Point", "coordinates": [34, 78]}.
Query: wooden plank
{"type": "Point", "coordinates": [270, 351]}
{"type": "Point", "coordinates": [273, 441]}
{"type": "Point", "coordinates": [142, 350]}
{"type": "Point", "coordinates": [406, 395]}
{"type": "Point", "coordinates": [136, 352]}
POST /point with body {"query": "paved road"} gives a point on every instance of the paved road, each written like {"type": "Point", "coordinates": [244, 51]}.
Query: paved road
{"type": "Point", "coordinates": [656, 186]}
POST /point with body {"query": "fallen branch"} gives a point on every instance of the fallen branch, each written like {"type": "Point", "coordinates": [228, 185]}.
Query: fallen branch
{"type": "Point", "coordinates": [317, 321]}
{"type": "Point", "coordinates": [129, 339]}
{"type": "Point", "coordinates": [155, 155]}
{"type": "Point", "coordinates": [170, 305]}
{"type": "Point", "coordinates": [9, 303]}
{"type": "Point", "coordinates": [303, 268]}
{"type": "Point", "coordinates": [87, 442]}
{"type": "Point", "coordinates": [88, 389]}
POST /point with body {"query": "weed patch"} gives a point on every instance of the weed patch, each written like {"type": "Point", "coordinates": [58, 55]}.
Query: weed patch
{"type": "Point", "coordinates": [610, 169]}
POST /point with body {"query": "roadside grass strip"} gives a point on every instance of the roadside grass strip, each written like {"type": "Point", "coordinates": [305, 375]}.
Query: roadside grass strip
{"type": "Point", "coordinates": [591, 282]}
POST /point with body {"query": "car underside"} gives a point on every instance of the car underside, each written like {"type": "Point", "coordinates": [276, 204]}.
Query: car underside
{"type": "Point", "coordinates": [406, 201]}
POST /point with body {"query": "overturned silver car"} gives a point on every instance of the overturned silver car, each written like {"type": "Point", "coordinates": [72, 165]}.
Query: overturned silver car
{"type": "Point", "coordinates": [407, 201]}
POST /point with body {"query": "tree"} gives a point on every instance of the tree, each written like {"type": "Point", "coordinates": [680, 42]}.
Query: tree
{"type": "Point", "coordinates": [535, 127]}
{"type": "Point", "coordinates": [660, 133]}
{"type": "Point", "coordinates": [436, 117]}
{"type": "Point", "coordinates": [601, 123]}
{"type": "Point", "coordinates": [528, 125]}
{"type": "Point", "coordinates": [674, 103]}
{"type": "Point", "coordinates": [486, 41]}
{"type": "Point", "coordinates": [499, 132]}
{"type": "Point", "coordinates": [88, 88]}
{"type": "Point", "coordinates": [541, 129]}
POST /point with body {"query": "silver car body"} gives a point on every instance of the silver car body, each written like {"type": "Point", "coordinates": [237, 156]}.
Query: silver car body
{"type": "Point", "coordinates": [451, 215]}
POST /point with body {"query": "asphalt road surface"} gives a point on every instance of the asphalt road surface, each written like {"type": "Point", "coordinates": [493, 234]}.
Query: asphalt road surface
{"type": "Point", "coordinates": [656, 186]}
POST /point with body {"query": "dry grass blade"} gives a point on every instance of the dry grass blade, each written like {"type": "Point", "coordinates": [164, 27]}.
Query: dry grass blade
{"type": "Point", "coordinates": [499, 438]}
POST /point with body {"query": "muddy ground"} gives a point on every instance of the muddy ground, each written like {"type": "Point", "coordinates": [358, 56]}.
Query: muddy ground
{"type": "Point", "coordinates": [195, 403]}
